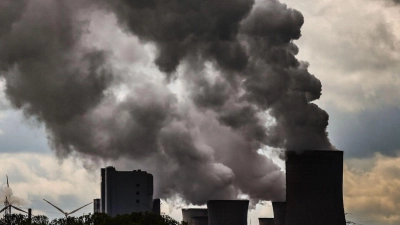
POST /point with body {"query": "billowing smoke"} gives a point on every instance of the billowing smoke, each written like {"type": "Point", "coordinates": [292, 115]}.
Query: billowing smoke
{"type": "Point", "coordinates": [243, 90]}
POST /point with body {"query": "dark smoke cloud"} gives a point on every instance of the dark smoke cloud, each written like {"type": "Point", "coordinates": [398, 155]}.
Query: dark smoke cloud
{"type": "Point", "coordinates": [243, 90]}
{"type": "Point", "coordinates": [180, 28]}
{"type": "Point", "coordinates": [48, 74]}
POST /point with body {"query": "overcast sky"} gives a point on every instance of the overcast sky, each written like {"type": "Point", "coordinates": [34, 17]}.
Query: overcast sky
{"type": "Point", "coordinates": [352, 46]}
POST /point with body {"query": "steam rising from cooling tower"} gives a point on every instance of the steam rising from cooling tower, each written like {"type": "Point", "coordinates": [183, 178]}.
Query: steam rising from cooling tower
{"type": "Point", "coordinates": [243, 90]}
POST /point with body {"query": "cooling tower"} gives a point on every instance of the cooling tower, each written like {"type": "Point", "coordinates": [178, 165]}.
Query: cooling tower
{"type": "Point", "coordinates": [279, 212]}
{"type": "Point", "coordinates": [232, 212]}
{"type": "Point", "coordinates": [187, 214]}
{"type": "Point", "coordinates": [266, 221]}
{"type": "Point", "coordinates": [314, 195]}
{"type": "Point", "coordinates": [200, 220]}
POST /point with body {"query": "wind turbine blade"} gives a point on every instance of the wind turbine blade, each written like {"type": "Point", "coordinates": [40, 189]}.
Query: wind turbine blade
{"type": "Point", "coordinates": [79, 208]}
{"type": "Point", "coordinates": [8, 185]}
{"type": "Point", "coordinates": [18, 209]}
{"type": "Point", "coordinates": [3, 209]}
{"type": "Point", "coordinates": [55, 206]}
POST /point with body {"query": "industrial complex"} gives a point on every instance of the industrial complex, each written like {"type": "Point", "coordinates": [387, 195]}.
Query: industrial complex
{"type": "Point", "coordinates": [314, 195]}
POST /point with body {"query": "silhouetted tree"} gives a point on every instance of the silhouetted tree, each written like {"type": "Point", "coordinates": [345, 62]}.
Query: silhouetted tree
{"type": "Point", "coordinates": [95, 219]}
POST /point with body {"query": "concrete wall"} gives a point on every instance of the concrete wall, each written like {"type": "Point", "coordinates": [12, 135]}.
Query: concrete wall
{"type": "Point", "coordinates": [266, 221]}
{"type": "Point", "coordinates": [203, 220]}
{"type": "Point", "coordinates": [187, 214]}
{"type": "Point", "coordinates": [223, 212]}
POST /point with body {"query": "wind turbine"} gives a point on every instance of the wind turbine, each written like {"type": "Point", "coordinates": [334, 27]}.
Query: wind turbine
{"type": "Point", "coordinates": [66, 213]}
{"type": "Point", "coordinates": [8, 205]}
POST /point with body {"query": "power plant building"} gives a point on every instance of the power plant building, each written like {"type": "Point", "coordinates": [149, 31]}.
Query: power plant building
{"type": "Point", "coordinates": [314, 195]}
{"type": "Point", "coordinates": [314, 182]}
{"type": "Point", "coordinates": [124, 192]}
{"type": "Point", "coordinates": [232, 212]}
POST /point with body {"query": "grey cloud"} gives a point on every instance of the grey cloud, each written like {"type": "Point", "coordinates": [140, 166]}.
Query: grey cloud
{"type": "Point", "coordinates": [363, 134]}
{"type": "Point", "coordinates": [183, 28]}
{"type": "Point", "coordinates": [15, 128]}
{"type": "Point", "coordinates": [10, 12]}
{"type": "Point", "coordinates": [47, 76]}
{"type": "Point", "coordinates": [356, 61]}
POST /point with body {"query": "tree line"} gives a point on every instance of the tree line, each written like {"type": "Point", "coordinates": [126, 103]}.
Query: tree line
{"type": "Point", "coordinates": [135, 218]}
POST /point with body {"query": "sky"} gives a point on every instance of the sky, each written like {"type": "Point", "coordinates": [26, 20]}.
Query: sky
{"type": "Point", "coordinates": [352, 47]}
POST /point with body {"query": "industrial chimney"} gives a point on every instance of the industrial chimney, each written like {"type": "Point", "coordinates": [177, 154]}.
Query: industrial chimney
{"type": "Point", "coordinates": [266, 221]}
{"type": "Point", "coordinates": [279, 212]}
{"type": "Point", "coordinates": [200, 220]}
{"type": "Point", "coordinates": [232, 212]}
{"type": "Point", "coordinates": [187, 214]}
{"type": "Point", "coordinates": [157, 206]}
{"type": "Point", "coordinates": [314, 194]}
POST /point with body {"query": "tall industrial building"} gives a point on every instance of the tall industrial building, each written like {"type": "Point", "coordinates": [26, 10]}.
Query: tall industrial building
{"type": "Point", "coordinates": [314, 195]}
{"type": "Point", "coordinates": [124, 192]}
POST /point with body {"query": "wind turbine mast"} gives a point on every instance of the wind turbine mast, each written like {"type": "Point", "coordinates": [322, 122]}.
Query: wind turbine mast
{"type": "Point", "coordinates": [66, 214]}
{"type": "Point", "coordinates": [8, 205]}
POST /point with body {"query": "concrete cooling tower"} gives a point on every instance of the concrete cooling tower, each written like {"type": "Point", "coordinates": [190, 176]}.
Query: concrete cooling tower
{"type": "Point", "coordinates": [314, 195]}
{"type": "Point", "coordinates": [266, 221]}
{"type": "Point", "coordinates": [187, 214]}
{"type": "Point", "coordinates": [223, 212]}
{"type": "Point", "coordinates": [279, 212]}
{"type": "Point", "coordinates": [200, 220]}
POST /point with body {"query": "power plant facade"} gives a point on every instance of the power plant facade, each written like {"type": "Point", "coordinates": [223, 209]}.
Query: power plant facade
{"type": "Point", "coordinates": [314, 195]}
{"type": "Point", "coordinates": [124, 192]}
{"type": "Point", "coordinates": [232, 212]}
{"type": "Point", "coordinates": [314, 182]}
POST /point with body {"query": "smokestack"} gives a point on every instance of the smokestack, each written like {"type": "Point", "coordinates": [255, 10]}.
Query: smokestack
{"type": "Point", "coordinates": [266, 221]}
{"type": "Point", "coordinates": [314, 194]}
{"type": "Point", "coordinates": [188, 214]}
{"type": "Point", "coordinates": [279, 212]}
{"type": "Point", "coordinates": [157, 206]}
{"type": "Point", "coordinates": [29, 216]}
{"type": "Point", "coordinates": [200, 220]}
{"type": "Point", "coordinates": [232, 212]}
{"type": "Point", "coordinates": [96, 205]}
